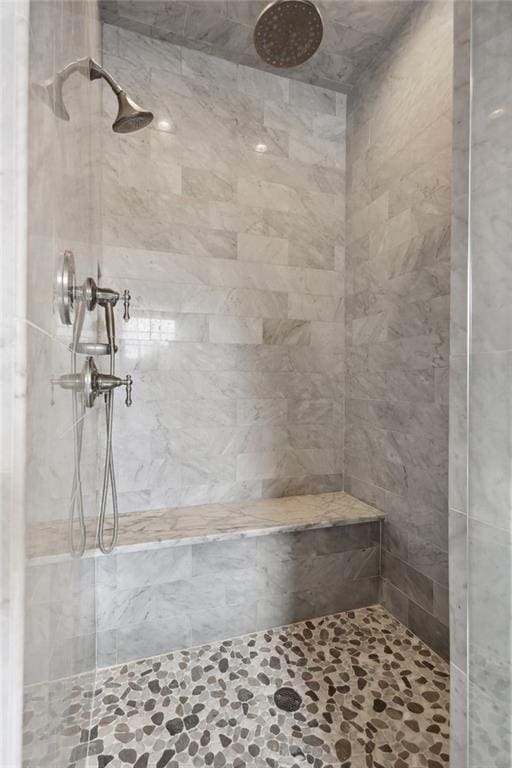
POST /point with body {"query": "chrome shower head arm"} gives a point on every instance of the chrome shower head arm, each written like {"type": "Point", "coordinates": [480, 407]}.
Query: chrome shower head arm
{"type": "Point", "coordinates": [130, 116]}
{"type": "Point", "coordinates": [97, 72]}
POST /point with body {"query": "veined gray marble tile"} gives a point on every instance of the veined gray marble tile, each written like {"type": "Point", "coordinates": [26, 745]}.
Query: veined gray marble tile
{"type": "Point", "coordinates": [235, 330]}
{"type": "Point", "coordinates": [256, 138]}
{"type": "Point", "coordinates": [375, 469]}
{"type": "Point", "coordinates": [430, 560]}
{"type": "Point", "coordinates": [429, 629]}
{"type": "Point", "coordinates": [408, 386]}
{"type": "Point", "coordinates": [263, 85]}
{"type": "Point", "coordinates": [312, 98]}
{"type": "Point", "coordinates": [206, 185]}
{"type": "Point", "coordinates": [140, 569]}
{"type": "Point", "coordinates": [286, 332]}
{"type": "Point", "coordinates": [271, 250]}
{"type": "Point", "coordinates": [323, 308]}
{"type": "Point", "coordinates": [322, 362]}
{"type": "Point", "coordinates": [458, 588]}
{"type": "Point", "coordinates": [488, 441]}
{"type": "Point", "coordinates": [207, 25]}
{"type": "Point", "coordinates": [289, 118]}
{"type": "Point", "coordinates": [261, 411]}
{"type": "Point", "coordinates": [198, 64]}
{"type": "Point", "coordinates": [235, 301]}
{"type": "Point", "coordinates": [206, 626]}
{"type": "Point", "coordinates": [219, 469]}
{"type": "Point", "coordinates": [209, 356]}
{"type": "Point", "coordinates": [312, 250]}
{"type": "Point", "coordinates": [441, 604]}
{"type": "Point", "coordinates": [314, 151]}
{"type": "Point", "coordinates": [291, 486]}
{"type": "Point", "coordinates": [489, 559]}
{"type": "Point", "coordinates": [263, 194]}
{"type": "Point", "coordinates": [414, 584]}
{"type": "Point", "coordinates": [307, 411]}
{"type": "Point", "coordinates": [458, 717]}
{"type": "Point", "coordinates": [132, 642]}
{"type": "Point", "coordinates": [395, 601]}
{"type": "Point", "coordinates": [425, 419]}
{"type": "Point", "coordinates": [397, 447]}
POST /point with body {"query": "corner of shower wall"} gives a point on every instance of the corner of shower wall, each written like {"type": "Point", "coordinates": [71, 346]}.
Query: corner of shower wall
{"type": "Point", "coordinates": [397, 311]}
{"type": "Point", "coordinates": [458, 385]}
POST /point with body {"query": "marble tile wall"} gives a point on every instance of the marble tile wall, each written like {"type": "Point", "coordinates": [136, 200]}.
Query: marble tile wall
{"type": "Point", "coordinates": [355, 32]}
{"type": "Point", "coordinates": [234, 259]}
{"type": "Point", "coordinates": [397, 287]}
{"type": "Point", "coordinates": [63, 213]}
{"type": "Point", "coordinates": [480, 399]}
{"type": "Point", "coordinates": [458, 387]}
{"type": "Point", "coordinates": [162, 600]}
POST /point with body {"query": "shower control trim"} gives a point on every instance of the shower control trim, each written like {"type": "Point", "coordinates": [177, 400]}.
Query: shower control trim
{"type": "Point", "coordinates": [65, 287]}
{"type": "Point", "coordinates": [91, 383]}
{"type": "Point", "coordinates": [73, 302]}
{"type": "Point", "coordinates": [67, 293]}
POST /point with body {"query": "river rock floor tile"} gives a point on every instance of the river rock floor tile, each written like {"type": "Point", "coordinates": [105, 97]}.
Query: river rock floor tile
{"type": "Point", "coordinates": [372, 695]}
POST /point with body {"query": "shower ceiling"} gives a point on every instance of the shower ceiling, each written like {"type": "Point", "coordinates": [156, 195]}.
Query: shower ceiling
{"type": "Point", "coordinates": [355, 31]}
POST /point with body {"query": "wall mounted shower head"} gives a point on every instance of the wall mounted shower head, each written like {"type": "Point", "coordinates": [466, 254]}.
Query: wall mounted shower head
{"type": "Point", "coordinates": [288, 32]}
{"type": "Point", "coordinates": [130, 117]}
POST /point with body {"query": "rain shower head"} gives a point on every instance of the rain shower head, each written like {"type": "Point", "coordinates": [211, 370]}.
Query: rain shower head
{"type": "Point", "coordinates": [130, 117]}
{"type": "Point", "coordinates": [288, 32]}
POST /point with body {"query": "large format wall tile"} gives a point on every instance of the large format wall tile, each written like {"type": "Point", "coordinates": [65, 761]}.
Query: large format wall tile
{"type": "Point", "coordinates": [397, 311]}
{"type": "Point", "coordinates": [226, 223]}
{"type": "Point", "coordinates": [353, 36]}
{"type": "Point", "coordinates": [480, 554]}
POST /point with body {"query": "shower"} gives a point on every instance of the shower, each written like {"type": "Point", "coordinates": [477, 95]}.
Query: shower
{"type": "Point", "coordinates": [259, 562]}
{"type": "Point", "coordinates": [130, 117]}
{"type": "Point", "coordinates": [288, 32]}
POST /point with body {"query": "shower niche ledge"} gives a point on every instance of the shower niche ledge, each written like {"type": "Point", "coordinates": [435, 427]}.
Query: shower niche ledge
{"type": "Point", "coordinates": [180, 526]}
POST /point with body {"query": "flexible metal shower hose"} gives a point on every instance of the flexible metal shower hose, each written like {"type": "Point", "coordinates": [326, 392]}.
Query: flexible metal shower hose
{"type": "Point", "coordinates": [76, 508]}
{"type": "Point", "coordinates": [109, 476]}
{"type": "Point", "coordinates": [78, 405]}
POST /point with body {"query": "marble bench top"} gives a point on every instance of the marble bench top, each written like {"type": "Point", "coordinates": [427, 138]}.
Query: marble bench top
{"type": "Point", "coordinates": [207, 522]}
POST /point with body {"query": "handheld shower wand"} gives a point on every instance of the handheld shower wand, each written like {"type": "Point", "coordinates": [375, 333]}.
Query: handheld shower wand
{"type": "Point", "coordinates": [76, 505]}
{"type": "Point", "coordinates": [107, 298]}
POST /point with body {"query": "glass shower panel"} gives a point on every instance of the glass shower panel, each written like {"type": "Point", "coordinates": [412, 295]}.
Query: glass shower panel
{"type": "Point", "coordinates": [63, 214]}
{"type": "Point", "coordinates": [490, 389]}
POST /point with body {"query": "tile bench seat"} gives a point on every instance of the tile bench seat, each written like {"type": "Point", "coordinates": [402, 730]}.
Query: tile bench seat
{"type": "Point", "coordinates": [189, 576]}
{"type": "Point", "coordinates": [209, 522]}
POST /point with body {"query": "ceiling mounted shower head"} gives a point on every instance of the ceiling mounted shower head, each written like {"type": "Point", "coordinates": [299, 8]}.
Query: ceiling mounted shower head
{"type": "Point", "coordinates": [288, 32]}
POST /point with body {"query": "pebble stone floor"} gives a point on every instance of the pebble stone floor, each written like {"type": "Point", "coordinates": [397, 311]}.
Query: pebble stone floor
{"type": "Point", "coordinates": [373, 696]}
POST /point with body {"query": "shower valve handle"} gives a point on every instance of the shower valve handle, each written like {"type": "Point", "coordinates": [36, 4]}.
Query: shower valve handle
{"type": "Point", "coordinates": [126, 304]}
{"type": "Point", "coordinates": [104, 383]}
{"type": "Point", "coordinates": [128, 383]}
{"type": "Point", "coordinates": [91, 383]}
